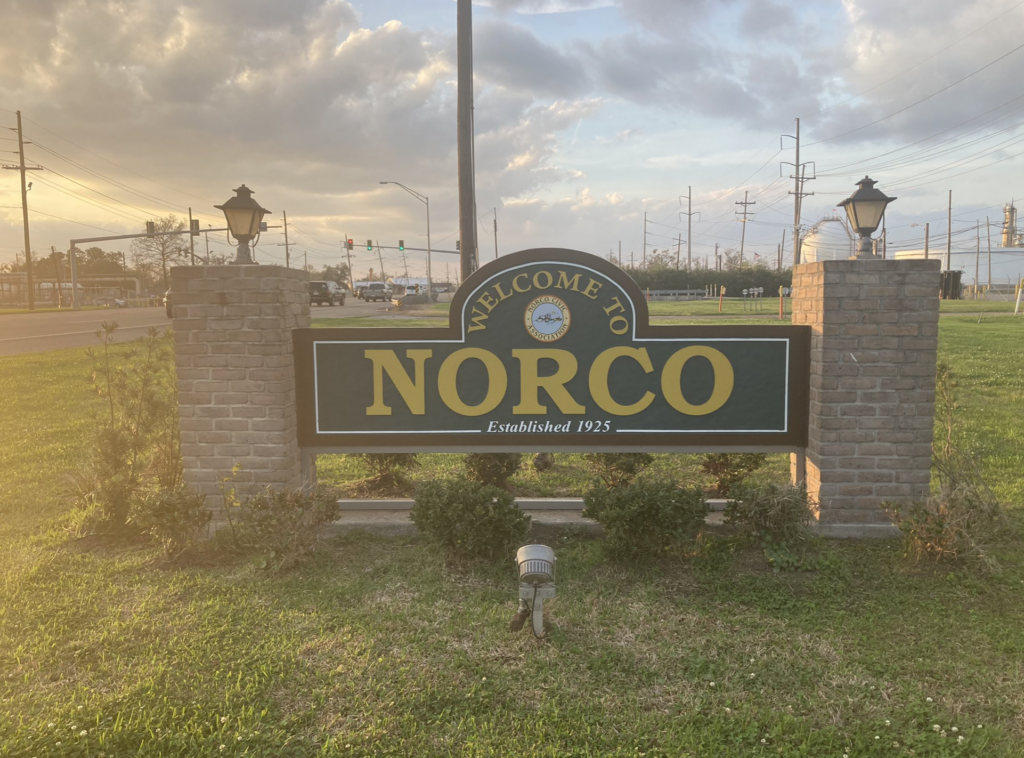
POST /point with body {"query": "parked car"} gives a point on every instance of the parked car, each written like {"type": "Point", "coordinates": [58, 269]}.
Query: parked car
{"type": "Point", "coordinates": [377, 291]}
{"type": "Point", "coordinates": [326, 293]}
{"type": "Point", "coordinates": [360, 289]}
{"type": "Point", "coordinates": [167, 303]}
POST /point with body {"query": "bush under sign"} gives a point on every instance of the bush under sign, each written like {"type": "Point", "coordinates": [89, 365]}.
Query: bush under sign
{"type": "Point", "coordinates": [551, 349]}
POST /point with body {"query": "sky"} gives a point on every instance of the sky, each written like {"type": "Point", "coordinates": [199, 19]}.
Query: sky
{"type": "Point", "coordinates": [589, 114]}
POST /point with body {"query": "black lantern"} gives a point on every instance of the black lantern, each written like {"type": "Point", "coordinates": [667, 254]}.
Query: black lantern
{"type": "Point", "coordinates": [865, 209]}
{"type": "Point", "coordinates": [243, 215]}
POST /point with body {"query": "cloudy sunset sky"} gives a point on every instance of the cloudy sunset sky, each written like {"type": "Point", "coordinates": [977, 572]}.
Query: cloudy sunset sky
{"type": "Point", "coordinates": [589, 113]}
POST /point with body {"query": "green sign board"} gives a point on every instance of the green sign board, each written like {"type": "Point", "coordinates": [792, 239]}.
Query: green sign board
{"type": "Point", "coordinates": [551, 349]}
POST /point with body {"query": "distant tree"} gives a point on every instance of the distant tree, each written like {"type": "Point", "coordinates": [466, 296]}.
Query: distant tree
{"type": "Point", "coordinates": [95, 261]}
{"type": "Point", "coordinates": [155, 254]}
{"type": "Point", "coordinates": [338, 273]}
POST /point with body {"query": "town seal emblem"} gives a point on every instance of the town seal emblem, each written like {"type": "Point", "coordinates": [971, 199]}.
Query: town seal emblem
{"type": "Point", "coordinates": [547, 318]}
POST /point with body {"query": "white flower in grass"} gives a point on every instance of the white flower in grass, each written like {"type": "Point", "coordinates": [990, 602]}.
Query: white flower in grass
{"type": "Point", "coordinates": [484, 679]}
{"type": "Point", "coordinates": [979, 726]}
{"type": "Point", "coordinates": [960, 740]}
{"type": "Point", "coordinates": [51, 725]}
{"type": "Point", "coordinates": [712, 684]}
{"type": "Point", "coordinates": [764, 741]}
{"type": "Point", "coordinates": [928, 700]}
{"type": "Point", "coordinates": [728, 710]}
{"type": "Point", "coordinates": [887, 722]}
{"type": "Point", "coordinates": [936, 727]}
{"type": "Point", "coordinates": [753, 675]}
{"type": "Point", "coordinates": [223, 748]}
{"type": "Point", "coordinates": [84, 733]}
{"type": "Point", "coordinates": [942, 733]}
{"type": "Point", "coordinates": [877, 737]}
{"type": "Point", "coordinates": [955, 729]}
{"type": "Point", "coordinates": [59, 743]}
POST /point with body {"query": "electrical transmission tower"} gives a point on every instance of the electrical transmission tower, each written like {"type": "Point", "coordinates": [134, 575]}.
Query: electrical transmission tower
{"type": "Point", "coordinates": [799, 177]}
{"type": "Point", "coordinates": [743, 235]}
{"type": "Point", "coordinates": [689, 227]}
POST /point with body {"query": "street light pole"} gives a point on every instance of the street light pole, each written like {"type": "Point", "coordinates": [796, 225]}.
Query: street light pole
{"type": "Point", "coordinates": [426, 201]}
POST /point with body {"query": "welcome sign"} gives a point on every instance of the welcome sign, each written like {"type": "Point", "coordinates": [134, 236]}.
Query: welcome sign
{"type": "Point", "coordinates": [551, 349]}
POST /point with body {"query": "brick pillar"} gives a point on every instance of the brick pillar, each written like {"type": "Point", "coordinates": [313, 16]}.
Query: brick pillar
{"type": "Point", "coordinates": [236, 378]}
{"type": "Point", "coordinates": [874, 343]}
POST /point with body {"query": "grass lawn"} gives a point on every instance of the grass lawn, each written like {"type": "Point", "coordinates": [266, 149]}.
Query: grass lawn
{"type": "Point", "coordinates": [380, 647]}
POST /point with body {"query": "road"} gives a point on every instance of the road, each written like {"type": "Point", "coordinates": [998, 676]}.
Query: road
{"type": "Point", "coordinates": [39, 332]}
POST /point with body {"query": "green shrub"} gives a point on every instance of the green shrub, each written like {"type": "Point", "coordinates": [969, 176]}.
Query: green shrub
{"type": "Point", "coordinates": [729, 469]}
{"type": "Point", "coordinates": [470, 519]}
{"type": "Point", "coordinates": [387, 470]}
{"type": "Point", "coordinates": [962, 518]}
{"type": "Point", "coordinates": [770, 513]}
{"type": "Point", "coordinates": [494, 469]}
{"type": "Point", "coordinates": [135, 445]}
{"type": "Point", "coordinates": [173, 519]}
{"type": "Point", "coordinates": [618, 469]}
{"type": "Point", "coordinates": [647, 517]}
{"type": "Point", "coordinates": [281, 527]}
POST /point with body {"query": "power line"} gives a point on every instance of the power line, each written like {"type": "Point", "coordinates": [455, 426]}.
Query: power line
{"type": "Point", "coordinates": [923, 99]}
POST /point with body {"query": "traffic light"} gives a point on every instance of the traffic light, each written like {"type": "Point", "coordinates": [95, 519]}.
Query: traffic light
{"type": "Point", "coordinates": [458, 246]}
{"type": "Point", "coordinates": [349, 244]}
{"type": "Point", "coordinates": [194, 227]}
{"type": "Point", "coordinates": [150, 228]}
{"type": "Point", "coordinates": [369, 245]}
{"type": "Point", "coordinates": [401, 244]}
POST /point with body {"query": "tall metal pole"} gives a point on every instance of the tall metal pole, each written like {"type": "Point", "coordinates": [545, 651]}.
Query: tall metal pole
{"type": "Point", "coordinates": [348, 255]}
{"type": "Point", "coordinates": [988, 232]}
{"type": "Point", "coordinates": [718, 263]}
{"type": "Point", "coordinates": [949, 233]}
{"type": "Point", "coordinates": [380, 257]}
{"type": "Point", "coordinates": [743, 234]}
{"type": "Point", "coordinates": [467, 189]}
{"type": "Point", "coordinates": [430, 282]}
{"type": "Point", "coordinates": [287, 253]}
{"type": "Point", "coordinates": [644, 258]}
{"type": "Point", "coordinates": [926, 241]}
{"type": "Point", "coordinates": [689, 227]}
{"type": "Point", "coordinates": [495, 233]}
{"type": "Point", "coordinates": [191, 239]}
{"type": "Point", "coordinates": [797, 189]}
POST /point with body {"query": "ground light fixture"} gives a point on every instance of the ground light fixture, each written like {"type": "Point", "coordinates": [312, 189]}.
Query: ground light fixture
{"type": "Point", "coordinates": [244, 216]}
{"type": "Point", "coordinates": [865, 209]}
{"type": "Point", "coordinates": [536, 565]}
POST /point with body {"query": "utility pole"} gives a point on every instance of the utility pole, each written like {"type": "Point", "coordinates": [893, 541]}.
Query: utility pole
{"type": "Point", "coordinates": [885, 239]}
{"type": "Point", "coordinates": [949, 233]}
{"type": "Point", "coordinates": [679, 242]}
{"type": "Point", "coordinates": [464, 118]}
{"type": "Point", "coordinates": [988, 232]}
{"type": "Point", "coordinates": [124, 273]}
{"type": "Point", "coordinates": [799, 178]}
{"type": "Point", "coordinates": [348, 254]}
{"type": "Point", "coordinates": [977, 258]}
{"type": "Point", "coordinates": [743, 233]}
{"type": "Point", "coordinates": [287, 256]}
{"type": "Point", "coordinates": [22, 168]}
{"type": "Point", "coordinates": [926, 241]}
{"type": "Point", "coordinates": [207, 235]}
{"type": "Point", "coordinates": [191, 238]}
{"type": "Point", "coordinates": [405, 265]}
{"type": "Point", "coordinates": [630, 260]}
{"type": "Point", "coordinates": [380, 257]}
{"type": "Point", "coordinates": [620, 253]}
{"type": "Point", "coordinates": [495, 233]}
{"type": "Point", "coordinates": [305, 262]}
{"type": "Point", "coordinates": [718, 262]}
{"type": "Point", "coordinates": [56, 271]}
{"type": "Point", "coordinates": [644, 259]}
{"type": "Point", "coordinates": [689, 229]}
{"type": "Point", "coordinates": [782, 248]}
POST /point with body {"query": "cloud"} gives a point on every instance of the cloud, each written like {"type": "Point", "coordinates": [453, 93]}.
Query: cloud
{"type": "Point", "coordinates": [544, 6]}
{"type": "Point", "coordinates": [508, 55]}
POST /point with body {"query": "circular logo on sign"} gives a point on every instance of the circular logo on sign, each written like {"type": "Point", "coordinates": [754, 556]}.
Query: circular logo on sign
{"type": "Point", "coordinates": [547, 318]}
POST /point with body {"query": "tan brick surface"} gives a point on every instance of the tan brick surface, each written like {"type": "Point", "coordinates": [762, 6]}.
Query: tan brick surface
{"type": "Point", "coordinates": [874, 343]}
{"type": "Point", "coordinates": [236, 379]}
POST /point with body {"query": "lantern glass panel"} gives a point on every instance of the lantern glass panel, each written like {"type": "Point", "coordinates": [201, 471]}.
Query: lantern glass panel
{"type": "Point", "coordinates": [242, 221]}
{"type": "Point", "coordinates": [866, 215]}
